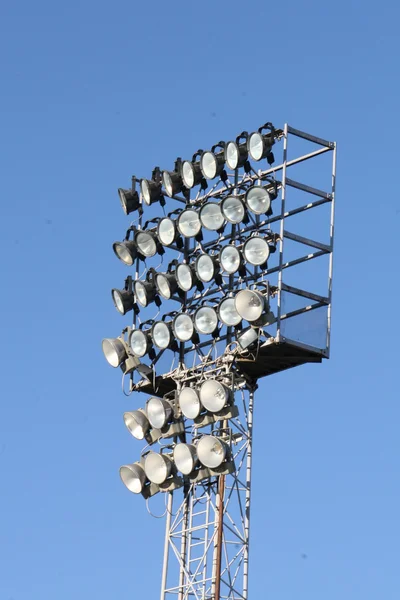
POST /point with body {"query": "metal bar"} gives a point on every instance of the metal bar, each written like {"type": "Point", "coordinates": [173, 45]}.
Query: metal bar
{"type": "Point", "coordinates": [182, 570]}
{"type": "Point", "coordinates": [250, 411]}
{"type": "Point", "coordinates": [331, 233]}
{"type": "Point", "coordinates": [281, 234]}
{"type": "Point", "coordinates": [264, 174]}
{"type": "Point", "coordinates": [304, 294]}
{"type": "Point", "coordinates": [310, 138]}
{"type": "Point", "coordinates": [164, 572]}
{"type": "Point", "coordinates": [205, 553]}
{"type": "Point", "coordinates": [300, 311]}
{"type": "Point", "coordinates": [306, 241]}
{"type": "Point", "coordinates": [220, 525]}
{"type": "Point", "coordinates": [308, 189]}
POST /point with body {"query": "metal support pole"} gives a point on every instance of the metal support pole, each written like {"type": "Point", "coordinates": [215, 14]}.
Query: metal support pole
{"type": "Point", "coordinates": [220, 529]}
{"type": "Point", "coordinates": [164, 572]}
{"type": "Point", "coordinates": [331, 236]}
{"type": "Point", "coordinates": [281, 233]}
{"type": "Point", "coordinates": [249, 457]}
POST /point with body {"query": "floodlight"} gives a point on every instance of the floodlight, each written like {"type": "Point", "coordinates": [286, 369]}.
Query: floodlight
{"type": "Point", "coordinates": [129, 200]}
{"type": "Point", "coordinates": [145, 292]}
{"type": "Point", "coordinates": [139, 343]}
{"type": "Point", "coordinates": [227, 312]}
{"type": "Point", "coordinates": [172, 182]}
{"type": "Point", "coordinates": [126, 251]}
{"type": "Point", "coordinates": [235, 153]}
{"type": "Point", "coordinates": [166, 284]}
{"type": "Point", "coordinates": [206, 267]}
{"type": "Point", "coordinates": [161, 335]}
{"type": "Point", "coordinates": [123, 300]}
{"type": "Point", "coordinates": [259, 145]}
{"type": "Point", "coordinates": [211, 451]}
{"type": "Point", "coordinates": [159, 412]}
{"type": "Point", "coordinates": [205, 320]}
{"type": "Point", "coordinates": [115, 351]}
{"type": "Point", "coordinates": [191, 172]}
{"type": "Point", "coordinates": [146, 243]}
{"type": "Point", "coordinates": [188, 223]}
{"type": "Point", "coordinates": [230, 259]}
{"type": "Point", "coordinates": [256, 251]}
{"type": "Point", "coordinates": [133, 477]}
{"type": "Point", "coordinates": [214, 395]}
{"type": "Point", "coordinates": [185, 277]}
{"type": "Point", "coordinates": [185, 458]}
{"type": "Point", "coordinates": [157, 467]}
{"type": "Point", "coordinates": [151, 191]}
{"type": "Point", "coordinates": [247, 337]}
{"type": "Point", "coordinates": [250, 304]}
{"type": "Point", "coordinates": [166, 231]}
{"type": "Point", "coordinates": [182, 326]}
{"type": "Point", "coordinates": [189, 402]}
{"type": "Point", "coordinates": [233, 209]}
{"type": "Point", "coordinates": [258, 200]}
{"type": "Point", "coordinates": [211, 216]}
{"type": "Point", "coordinates": [137, 423]}
{"type": "Point", "coordinates": [212, 164]}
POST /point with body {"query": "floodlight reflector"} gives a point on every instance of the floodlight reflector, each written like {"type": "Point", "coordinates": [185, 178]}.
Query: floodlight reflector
{"type": "Point", "coordinates": [256, 251]}
{"type": "Point", "coordinates": [123, 300]}
{"type": "Point", "coordinates": [137, 423]}
{"type": "Point", "coordinates": [211, 164]}
{"type": "Point", "coordinates": [183, 327]}
{"type": "Point", "coordinates": [191, 173]}
{"type": "Point", "coordinates": [146, 243]}
{"type": "Point", "coordinates": [166, 284]}
{"type": "Point", "coordinates": [228, 313]}
{"type": "Point", "coordinates": [158, 411]}
{"type": "Point", "coordinates": [188, 223]}
{"type": "Point", "coordinates": [157, 467]}
{"type": "Point", "coordinates": [230, 259]}
{"type": "Point", "coordinates": [138, 342]}
{"type": "Point", "coordinates": [129, 200]}
{"type": "Point", "coordinates": [205, 267]}
{"type": "Point", "coordinates": [172, 182]}
{"type": "Point", "coordinates": [189, 402]}
{"type": "Point", "coordinates": [115, 351]}
{"type": "Point", "coordinates": [250, 304]}
{"type": "Point", "coordinates": [133, 477]}
{"type": "Point", "coordinates": [259, 145]}
{"type": "Point", "coordinates": [125, 251]}
{"type": "Point", "coordinates": [166, 231]}
{"type": "Point", "coordinates": [211, 451]}
{"type": "Point", "coordinates": [151, 191]}
{"type": "Point", "coordinates": [213, 395]}
{"type": "Point", "coordinates": [185, 458]}
{"type": "Point", "coordinates": [236, 154]}
{"type": "Point", "coordinates": [211, 216]}
{"type": "Point", "coordinates": [258, 200]}
{"type": "Point", "coordinates": [205, 320]}
{"type": "Point", "coordinates": [184, 277]}
{"type": "Point", "coordinates": [161, 334]}
{"type": "Point", "coordinates": [247, 337]}
{"type": "Point", "coordinates": [144, 292]}
{"type": "Point", "coordinates": [233, 209]}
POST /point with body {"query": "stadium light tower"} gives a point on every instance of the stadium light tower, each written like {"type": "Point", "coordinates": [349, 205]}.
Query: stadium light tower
{"type": "Point", "coordinates": [231, 277]}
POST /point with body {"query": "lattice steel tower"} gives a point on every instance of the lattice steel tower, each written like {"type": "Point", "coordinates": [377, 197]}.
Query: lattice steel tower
{"type": "Point", "coordinates": [242, 296]}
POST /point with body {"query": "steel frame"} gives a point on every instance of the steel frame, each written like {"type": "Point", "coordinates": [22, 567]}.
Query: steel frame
{"type": "Point", "coordinates": [208, 528]}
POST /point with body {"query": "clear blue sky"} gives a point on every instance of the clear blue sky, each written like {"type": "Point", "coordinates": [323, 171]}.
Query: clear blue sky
{"type": "Point", "coordinates": [92, 92]}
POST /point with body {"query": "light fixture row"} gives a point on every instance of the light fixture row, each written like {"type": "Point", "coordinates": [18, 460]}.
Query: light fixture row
{"type": "Point", "coordinates": [208, 455]}
{"type": "Point", "coordinates": [182, 277]}
{"type": "Point", "coordinates": [206, 402]}
{"type": "Point", "coordinates": [213, 216]}
{"type": "Point", "coordinates": [205, 165]}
